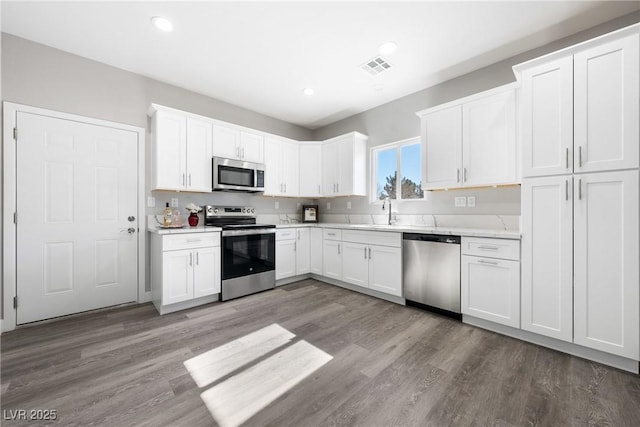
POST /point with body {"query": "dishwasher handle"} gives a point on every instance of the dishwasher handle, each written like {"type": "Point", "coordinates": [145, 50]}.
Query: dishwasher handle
{"type": "Point", "coordinates": [439, 238]}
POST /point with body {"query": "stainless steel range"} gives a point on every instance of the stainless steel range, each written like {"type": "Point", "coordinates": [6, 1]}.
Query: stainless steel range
{"type": "Point", "coordinates": [248, 250]}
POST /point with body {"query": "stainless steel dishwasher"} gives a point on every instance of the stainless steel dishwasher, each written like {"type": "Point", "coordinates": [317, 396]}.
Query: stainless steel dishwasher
{"type": "Point", "coordinates": [431, 272]}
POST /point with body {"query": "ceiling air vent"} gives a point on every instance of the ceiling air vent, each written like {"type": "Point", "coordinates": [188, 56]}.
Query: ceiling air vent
{"type": "Point", "coordinates": [376, 65]}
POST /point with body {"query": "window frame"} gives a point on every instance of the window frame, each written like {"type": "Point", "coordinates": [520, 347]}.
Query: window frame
{"type": "Point", "coordinates": [373, 181]}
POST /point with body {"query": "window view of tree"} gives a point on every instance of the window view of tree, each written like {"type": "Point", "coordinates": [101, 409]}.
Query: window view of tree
{"type": "Point", "coordinates": [402, 160]}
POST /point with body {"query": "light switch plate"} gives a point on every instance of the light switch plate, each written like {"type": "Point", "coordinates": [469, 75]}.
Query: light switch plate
{"type": "Point", "coordinates": [471, 201]}
{"type": "Point", "coordinates": [461, 202]}
{"type": "Point", "coordinates": [328, 205]}
{"type": "Point", "coordinates": [277, 205]}
{"type": "Point", "coordinates": [174, 203]}
{"type": "Point", "coordinates": [151, 202]}
{"type": "Point", "coordinates": [348, 205]}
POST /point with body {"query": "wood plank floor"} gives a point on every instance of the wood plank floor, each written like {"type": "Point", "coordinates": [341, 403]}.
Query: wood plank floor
{"type": "Point", "coordinates": [366, 362]}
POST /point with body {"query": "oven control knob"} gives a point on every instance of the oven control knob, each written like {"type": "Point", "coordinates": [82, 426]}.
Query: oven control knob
{"type": "Point", "coordinates": [253, 210]}
{"type": "Point", "coordinates": [244, 210]}
{"type": "Point", "coordinates": [215, 211]}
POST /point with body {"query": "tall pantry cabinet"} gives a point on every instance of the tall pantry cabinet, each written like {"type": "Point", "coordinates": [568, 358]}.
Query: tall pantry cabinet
{"type": "Point", "coordinates": [580, 194]}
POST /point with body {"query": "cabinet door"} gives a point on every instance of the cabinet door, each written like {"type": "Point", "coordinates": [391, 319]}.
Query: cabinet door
{"type": "Point", "coordinates": [310, 167]}
{"type": "Point", "coordinates": [251, 146]}
{"type": "Point", "coordinates": [385, 269]}
{"type": "Point", "coordinates": [290, 169]}
{"type": "Point", "coordinates": [273, 185]}
{"type": "Point", "coordinates": [547, 256]}
{"type": "Point", "coordinates": [547, 118]}
{"type": "Point", "coordinates": [491, 289]}
{"type": "Point", "coordinates": [332, 259]}
{"type": "Point", "coordinates": [355, 264]}
{"type": "Point", "coordinates": [303, 254]}
{"type": "Point", "coordinates": [489, 140]}
{"type": "Point", "coordinates": [226, 142]}
{"type": "Point", "coordinates": [177, 276]}
{"type": "Point", "coordinates": [442, 148]}
{"type": "Point", "coordinates": [206, 271]}
{"type": "Point", "coordinates": [345, 162]}
{"type": "Point", "coordinates": [329, 169]}
{"type": "Point", "coordinates": [606, 107]}
{"type": "Point", "coordinates": [606, 262]}
{"type": "Point", "coordinates": [315, 250]}
{"type": "Point", "coordinates": [199, 152]}
{"type": "Point", "coordinates": [170, 151]}
{"type": "Point", "coordinates": [285, 258]}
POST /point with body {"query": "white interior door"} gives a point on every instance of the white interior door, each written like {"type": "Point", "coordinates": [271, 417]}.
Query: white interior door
{"type": "Point", "coordinates": [76, 199]}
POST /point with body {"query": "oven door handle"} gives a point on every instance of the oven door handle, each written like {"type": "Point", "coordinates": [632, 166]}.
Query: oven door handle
{"type": "Point", "coordinates": [254, 231]}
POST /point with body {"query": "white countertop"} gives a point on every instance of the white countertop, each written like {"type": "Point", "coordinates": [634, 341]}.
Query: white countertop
{"type": "Point", "coordinates": [400, 228]}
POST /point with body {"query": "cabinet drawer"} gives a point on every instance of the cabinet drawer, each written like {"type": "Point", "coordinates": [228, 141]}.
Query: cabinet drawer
{"type": "Point", "coordinates": [381, 238]}
{"type": "Point", "coordinates": [286, 233]}
{"type": "Point", "coordinates": [332, 234]}
{"type": "Point", "coordinates": [491, 248]}
{"type": "Point", "coordinates": [190, 241]}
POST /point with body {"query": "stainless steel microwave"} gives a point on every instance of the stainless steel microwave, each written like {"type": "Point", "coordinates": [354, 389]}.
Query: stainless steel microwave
{"type": "Point", "coordinates": [237, 175]}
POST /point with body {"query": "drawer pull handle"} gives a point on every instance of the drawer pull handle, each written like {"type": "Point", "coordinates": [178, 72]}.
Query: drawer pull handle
{"type": "Point", "coordinates": [490, 248]}
{"type": "Point", "coordinates": [481, 261]}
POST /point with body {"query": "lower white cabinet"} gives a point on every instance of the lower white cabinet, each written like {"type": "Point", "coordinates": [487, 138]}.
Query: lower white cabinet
{"type": "Point", "coordinates": [490, 285]}
{"type": "Point", "coordinates": [373, 260]}
{"type": "Point", "coordinates": [185, 269]}
{"type": "Point", "coordinates": [292, 252]}
{"type": "Point", "coordinates": [315, 250]}
{"type": "Point", "coordinates": [332, 253]}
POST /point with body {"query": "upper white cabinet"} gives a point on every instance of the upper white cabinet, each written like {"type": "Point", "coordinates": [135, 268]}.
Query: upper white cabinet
{"type": "Point", "coordinates": [471, 141]}
{"type": "Point", "coordinates": [281, 167]}
{"type": "Point", "coordinates": [238, 144]}
{"type": "Point", "coordinates": [181, 151]}
{"type": "Point", "coordinates": [344, 165]}
{"type": "Point", "coordinates": [580, 108]}
{"type": "Point", "coordinates": [310, 167]}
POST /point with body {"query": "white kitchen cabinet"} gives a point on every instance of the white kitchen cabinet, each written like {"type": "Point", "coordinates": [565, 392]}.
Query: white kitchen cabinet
{"type": "Point", "coordinates": [332, 253]}
{"type": "Point", "coordinates": [285, 253]}
{"type": "Point", "coordinates": [235, 143]}
{"type": "Point", "coordinates": [281, 167]}
{"type": "Point", "coordinates": [373, 260]}
{"type": "Point", "coordinates": [185, 270]}
{"type": "Point", "coordinates": [471, 141]}
{"type": "Point", "coordinates": [303, 251]}
{"type": "Point", "coordinates": [606, 254]}
{"type": "Point", "coordinates": [489, 140]}
{"type": "Point", "coordinates": [355, 264]}
{"type": "Point", "coordinates": [582, 286]}
{"type": "Point", "coordinates": [547, 256]}
{"type": "Point", "coordinates": [344, 165]}
{"type": "Point", "coordinates": [310, 168]}
{"type": "Point", "coordinates": [181, 151]}
{"type": "Point", "coordinates": [490, 280]}
{"type": "Point", "coordinates": [315, 250]}
{"type": "Point", "coordinates": [580, 109]}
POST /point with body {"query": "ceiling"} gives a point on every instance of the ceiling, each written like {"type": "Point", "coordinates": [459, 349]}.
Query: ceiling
{"type": "Point", "coordinates": [261, 55]}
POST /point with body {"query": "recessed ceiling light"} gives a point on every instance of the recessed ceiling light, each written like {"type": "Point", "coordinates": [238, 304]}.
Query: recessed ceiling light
{"type": "Point", "coordinates": [387, 48]}
{"type": "Point", "coordinates": [162, 24]}
{"type": "Point", "coordinates": [308, 91]}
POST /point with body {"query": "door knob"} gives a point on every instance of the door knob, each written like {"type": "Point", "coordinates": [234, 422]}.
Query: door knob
{"type": "Point", "coordinates": [131, 218]}
{"type": "Point", "coordinates": [129, 230]}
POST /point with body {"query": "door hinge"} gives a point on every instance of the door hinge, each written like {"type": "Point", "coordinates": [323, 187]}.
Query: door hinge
{"type": "Point", "coordinates": [15, 302]}
{"type": "Point", "coordinates": [15, 218]}
{"type": "Point", "coordinates": [15, 133]}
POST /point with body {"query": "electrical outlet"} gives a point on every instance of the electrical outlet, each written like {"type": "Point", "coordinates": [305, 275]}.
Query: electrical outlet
{"type": "Point", "coordinates": [174, 203]}
{"type": "Point", "coordinates": [471, 201]}
{"type": "Point", "coordinates": [348, 205]}
{"type": "Point", "coordinates": [277, 205]}
{"type": "Point", "coordinates": [298, 206]}
{"type": "Point", "coordinates": [328, 205]}
{"type": "Point", "coordinates": [151, 202]}
{"type": "Point", "coordinates": [460, 202]}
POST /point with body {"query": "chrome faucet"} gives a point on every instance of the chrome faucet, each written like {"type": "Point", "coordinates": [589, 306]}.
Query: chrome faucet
{"type": "Point", "coordinates": [385, 202]}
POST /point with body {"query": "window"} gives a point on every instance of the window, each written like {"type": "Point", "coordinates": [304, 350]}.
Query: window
{"type": "Point", "coordinates": [401, 159]}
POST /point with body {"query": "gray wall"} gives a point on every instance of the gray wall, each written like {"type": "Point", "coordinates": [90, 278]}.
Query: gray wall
{"type": "Point", "coordinates": [397, 120]}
